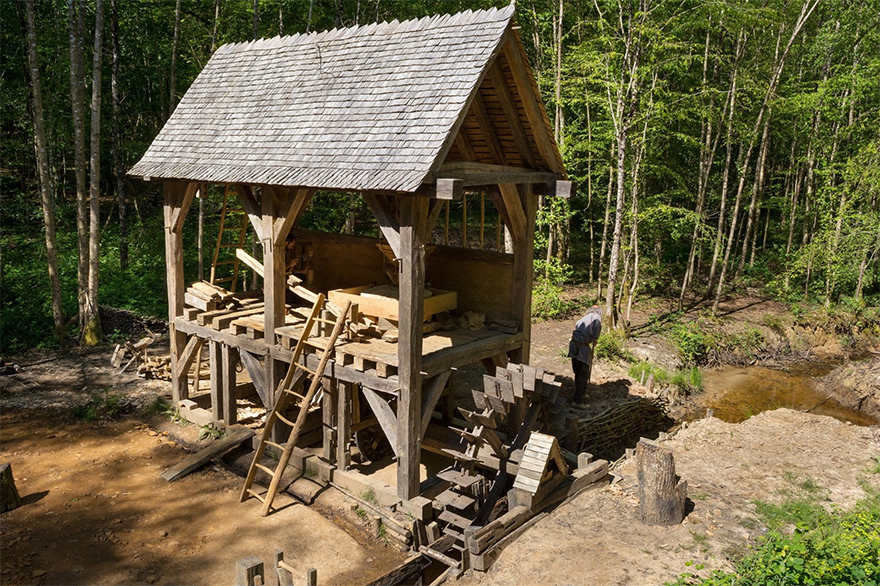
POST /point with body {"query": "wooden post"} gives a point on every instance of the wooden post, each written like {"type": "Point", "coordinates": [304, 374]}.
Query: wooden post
{"type": "Point", "coordinates": [178, 197]}
{"type": "Point", "coordinates": [279, 207]}
{"type": "Point", "coordinates": [229, 392]}
{"type": "Point", "coordinates": [343, 425]}
{"type": "Point", "coordinates": [523, 272]}
{"type": "Point", "coordinates": [247, 570]}
{"type": "Point", "coordinates": [662, 494]}
{"type": "Point", "coordinates": [328, 418]}
{"type": "Point", "coordinates": [413, 215]}
{"type": "Point", "coordinates": [217, 397]}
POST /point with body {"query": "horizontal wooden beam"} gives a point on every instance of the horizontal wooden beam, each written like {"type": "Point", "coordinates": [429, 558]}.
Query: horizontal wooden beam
{"type": "Point", "coordinates": [476, 174]}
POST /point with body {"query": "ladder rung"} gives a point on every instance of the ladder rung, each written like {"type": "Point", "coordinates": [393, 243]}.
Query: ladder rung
{"type": "Point", "coordinates": [222, 280]}
{"type": "Point", "coordinates": [274, 445]}
{"type": "Point", "coordinates": [225, 262]}
{"type": "Point", "coordinates": [326, 321]}
{"type": "Point", "coordinates": [256, 495]}
{"type": "Point", "coordinates": [265, 469]}
{"type": "Point", "coordinates": [315, 345]}
{"type": "Point", "coordinates": [295, 394]}
{"type": "Point", "coordinates": [285, 419]}
{"type": "Point", "coordinates": [308, 370]}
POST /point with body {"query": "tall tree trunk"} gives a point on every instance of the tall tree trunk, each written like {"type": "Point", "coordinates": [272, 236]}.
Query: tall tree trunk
{"type": "Point", "coordinates": [119, 170]}
{"type": "Point", "coordinates": [605, 223]}
{"type": "Point", "coordinates": [47, 197]}
{"type": "Point", "coordinates": [725, 180]}
{"type": "Point", "coordinates": [76, 27]}
{"type": "Point", "coordinates": [172, 95]}
{"type": "Point", "coordinates": [806, 10]}
{"type": "Point", "coordinates": [708, 146]}
{"type": "Point", "coordinates": [613, 261]}
{"type": "Point", "coordinates": [92, 334]}
{"type": "Point", "coordinates": [757, 194]}
{"type": "Point", "coordinates": [589, 209]}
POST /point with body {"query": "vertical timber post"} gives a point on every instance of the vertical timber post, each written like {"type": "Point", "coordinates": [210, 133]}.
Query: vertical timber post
{"type": "Point", "coordinates": [343, 424]}
{"type": "Point", "coordinates": [217, 398]}
{"type": "Point", "coordinates": [229, 392]}
{"type": "Point", "coordinates": [178, 197]}
{"type": "Point", "coordinates": [523, 271]}
{"type": "Point", "coordinates": [413, 215]}
{"type": "Point", "coordinates": [277, 205]}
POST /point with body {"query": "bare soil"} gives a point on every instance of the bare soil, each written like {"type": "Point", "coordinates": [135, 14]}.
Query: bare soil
{"type": "Point", "coordinates": [96, 512]}
{"type": "Point", "coordinates": [598, 539]}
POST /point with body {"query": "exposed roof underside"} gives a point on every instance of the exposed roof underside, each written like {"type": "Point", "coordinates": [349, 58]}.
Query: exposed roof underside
{"type": "Point", "coordinates": [364, 108]}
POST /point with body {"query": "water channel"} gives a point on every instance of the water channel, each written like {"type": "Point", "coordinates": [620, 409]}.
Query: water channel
{"type": "Point", "coordinates": [737, 393]}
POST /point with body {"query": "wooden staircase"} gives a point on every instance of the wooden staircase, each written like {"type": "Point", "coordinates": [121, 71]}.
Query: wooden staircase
{"type": "Point", "coordinates": [287, 391]}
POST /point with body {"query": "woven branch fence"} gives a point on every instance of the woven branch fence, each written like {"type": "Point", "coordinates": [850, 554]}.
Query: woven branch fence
{"type": "Point", "coordinates": [608, 434]}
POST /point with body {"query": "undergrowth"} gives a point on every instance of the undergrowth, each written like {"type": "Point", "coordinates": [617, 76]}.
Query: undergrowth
{"type": "Point", "coordinates": [103, 405]}
{"type": "Point", "coordinates": [688, 379]}
{"type": "Point", "coordinates": [612, 346]}
{"type": "Point", "coordinates": [808, 543]}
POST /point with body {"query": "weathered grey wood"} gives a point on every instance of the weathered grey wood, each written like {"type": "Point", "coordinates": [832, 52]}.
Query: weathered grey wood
{"type": "Point", "coordinates": [514, 206]}
{"type": "Point", "coordinates": [432, 393]}
{"type": "Point", "coordinates": [662, 494]}
{"type": "Point", "coordinates": [406, 573]}
{"type": "Point", "coordinates": [383, 412]}
{"type": "Point", "coordinates": [229, 356]}
{"type": "Point", "coordinates": [343, 425]}
{"type": "Point", "coordinates": [188, 355]}
{"type": "Point", "coordinates": [413, 215]}
{"type": "Point", "coordinates": [9, 498]}
{"type": "Point", "coordinates": [236, 436]}
{"type": "Point", "coordinates": [388, 224]}
{"type": "Point", "coordinates": [247, 571]}
{"type": "Point", "coordinates": [216, 380]}
{"type": "Point", "coordinates": [328, 419]}
{"type": "Point", "coordinates": [178, 197]}
{"type": "Point", "coordinates": [252, 208]}
{"type": "Point", "coordinates": [257, 373]}
{"type": "Point", "coordinates": [523, 273]}
{"type": "Point", "coordinates": [473, 174]}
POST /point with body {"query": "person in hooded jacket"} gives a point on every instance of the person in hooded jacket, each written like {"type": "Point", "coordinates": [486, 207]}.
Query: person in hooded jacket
{"type": "Point", "coordinates": [580, 349]}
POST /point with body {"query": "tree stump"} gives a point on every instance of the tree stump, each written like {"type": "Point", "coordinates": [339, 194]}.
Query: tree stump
{"type": "Point", "coordinates": [662, 494]}
{"type": "Point", "coordinates": [9, 498]}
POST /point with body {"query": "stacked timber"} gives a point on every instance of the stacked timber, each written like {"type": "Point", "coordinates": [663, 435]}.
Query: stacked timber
{"type": "Point", "coordinates": [610, 432]}
{"type": "Point", "coordinates": [207, 297]}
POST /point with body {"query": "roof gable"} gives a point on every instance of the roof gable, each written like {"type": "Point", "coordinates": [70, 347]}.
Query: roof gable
{"type": "Point", "coordinates": [367, 107]}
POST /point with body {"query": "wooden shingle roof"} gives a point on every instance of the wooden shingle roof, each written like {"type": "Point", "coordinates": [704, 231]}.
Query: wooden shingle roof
{"type": "Point", "coordinates": [363, 108]}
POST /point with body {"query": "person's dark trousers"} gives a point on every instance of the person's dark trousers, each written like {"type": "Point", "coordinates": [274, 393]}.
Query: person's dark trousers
{"type": "Point", "coordinates": [581, 378]}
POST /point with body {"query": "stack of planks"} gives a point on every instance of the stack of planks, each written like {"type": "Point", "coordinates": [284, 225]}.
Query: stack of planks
{"type": "Point", "coordinates": [207, 297]}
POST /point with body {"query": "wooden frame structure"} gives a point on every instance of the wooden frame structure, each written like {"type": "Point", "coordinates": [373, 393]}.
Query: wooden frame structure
{"type": "Point", "coordinates": [487, 130]}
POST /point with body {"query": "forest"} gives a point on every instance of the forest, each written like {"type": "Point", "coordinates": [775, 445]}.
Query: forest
{"type": "Point", "coordinates": [715, 145]}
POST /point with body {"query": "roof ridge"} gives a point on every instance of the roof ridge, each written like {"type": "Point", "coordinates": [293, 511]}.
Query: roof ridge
{"type": "Point", "coordinates": [376, 28]}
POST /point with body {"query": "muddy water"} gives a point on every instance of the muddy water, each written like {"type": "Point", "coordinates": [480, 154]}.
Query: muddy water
{"type": "Point", "coordinates": [737, 393]}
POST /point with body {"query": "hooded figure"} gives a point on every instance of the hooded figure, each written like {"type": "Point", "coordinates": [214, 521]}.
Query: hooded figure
{"type": "Point", "coordinates": [580, 349]}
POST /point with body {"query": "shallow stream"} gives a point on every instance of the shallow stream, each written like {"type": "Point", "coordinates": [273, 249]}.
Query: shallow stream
{"type": "Point", "coordinates": [737, 393]}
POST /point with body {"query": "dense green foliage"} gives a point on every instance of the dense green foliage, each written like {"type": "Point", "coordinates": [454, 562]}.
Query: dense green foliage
{"type": "Point", "coordinates": [687, 84]}
{"type": "Point", "coordinates": [808, 544]}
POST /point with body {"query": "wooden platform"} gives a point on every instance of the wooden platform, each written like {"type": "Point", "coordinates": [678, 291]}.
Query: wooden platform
{"type": "Point", "coordinates": [372, 361]}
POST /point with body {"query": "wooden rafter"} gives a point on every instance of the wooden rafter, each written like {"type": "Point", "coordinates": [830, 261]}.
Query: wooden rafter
{"type": "Point", "coordinates": [508, 106]}
{"type": "Point", "coordinates": [515, 57]}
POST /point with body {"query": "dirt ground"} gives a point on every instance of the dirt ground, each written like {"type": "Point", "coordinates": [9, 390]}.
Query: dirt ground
{"type": "Point", "coordinates": [96, 512]}
{"type": "Point", "coordinates": [597, 539]}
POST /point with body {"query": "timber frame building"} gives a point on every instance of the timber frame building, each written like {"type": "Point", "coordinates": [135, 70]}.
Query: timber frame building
{"type": "Point", "coordinates": [409, 116]}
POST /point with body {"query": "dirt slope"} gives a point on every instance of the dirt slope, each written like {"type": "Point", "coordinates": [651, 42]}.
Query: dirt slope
{"type": "Point", "coordinates": [597, 539]}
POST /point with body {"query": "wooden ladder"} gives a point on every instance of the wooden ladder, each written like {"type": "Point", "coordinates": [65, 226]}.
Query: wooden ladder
{"type": "Point", "coordinates": [238, 231]}
{"type": "Point", "coordinates": [287, 391]}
